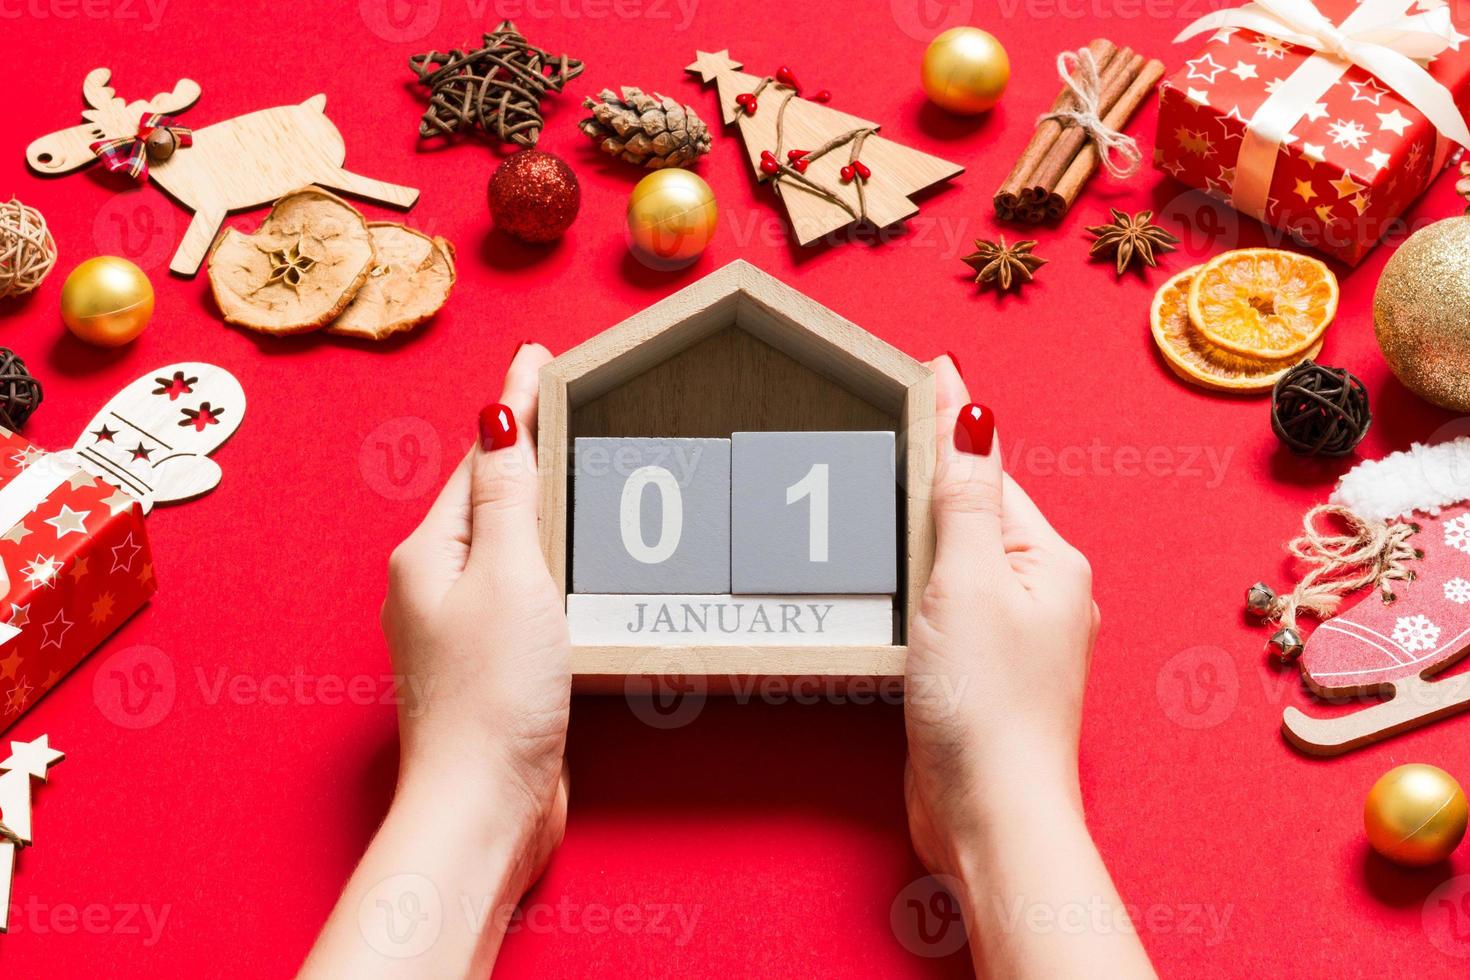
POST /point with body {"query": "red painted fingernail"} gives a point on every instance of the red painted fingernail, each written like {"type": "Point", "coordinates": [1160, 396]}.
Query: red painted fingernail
{"type": "Point", "coordinates": [974, 430]}
{"type": "Point", "coordinates": [956, 362]}
{"type": "Point", "coordinates": [497, 427]}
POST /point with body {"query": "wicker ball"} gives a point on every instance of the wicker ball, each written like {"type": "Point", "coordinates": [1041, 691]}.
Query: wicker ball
{"type": "Point", "coordinates": [20, 394]}
{"type": "Point", "coordinates": [27, 250]}
{"type": "Point", "coordinates": [1319, 411]}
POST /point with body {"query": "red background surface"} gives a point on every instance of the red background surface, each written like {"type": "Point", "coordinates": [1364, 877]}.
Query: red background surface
{"type": "Point", "coordinates": [239, 813]}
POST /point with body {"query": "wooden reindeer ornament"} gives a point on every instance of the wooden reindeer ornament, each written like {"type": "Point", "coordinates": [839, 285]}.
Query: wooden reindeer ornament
{"type": "Point", "coordinates": [227, 166]}
{"type": "Point", "coordinates": [830, 169]}
{"type": "Point", "coordinates": [26, 760]}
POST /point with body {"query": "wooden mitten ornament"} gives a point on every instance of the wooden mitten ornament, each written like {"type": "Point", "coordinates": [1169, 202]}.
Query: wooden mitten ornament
{"type": "Point", "coordinates": [26, 760]}
{"type": "Point", "coordinates": [153, 439]}
{"type": "Point", "coordinates": [227, 166]}
{"type": "Point", "coordinates": [1401, 527]}
{"type": "Point", "coordinates": [830, 169]}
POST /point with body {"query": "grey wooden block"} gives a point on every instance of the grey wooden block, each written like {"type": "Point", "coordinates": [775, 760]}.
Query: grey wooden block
{"type": "Point", "coordinates": [651, 516]}
{"type": "Point", "coordinates": [813, 512]}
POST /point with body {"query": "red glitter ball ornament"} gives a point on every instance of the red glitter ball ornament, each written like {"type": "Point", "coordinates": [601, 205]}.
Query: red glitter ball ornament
{"type": "Point", "coordinates": [534, 196]}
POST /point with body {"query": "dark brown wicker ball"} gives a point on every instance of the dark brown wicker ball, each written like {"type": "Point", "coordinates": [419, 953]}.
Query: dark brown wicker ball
{"type": "Point", "coordinates": [20, 393]}
{"type": "Point", "coordinates": [1319, 411]}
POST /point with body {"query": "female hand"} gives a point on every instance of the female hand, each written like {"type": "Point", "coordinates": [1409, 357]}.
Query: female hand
{"type": "Point", "coordinates": [473, 615]}
{"type": "Point", "coordinates": [997, 667]}
{"type": "Point", "coordinates": [476, 623]}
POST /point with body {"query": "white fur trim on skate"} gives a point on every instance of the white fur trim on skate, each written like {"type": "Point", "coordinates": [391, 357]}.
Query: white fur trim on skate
{"type": "Point", "coordinates": [1422, 478]}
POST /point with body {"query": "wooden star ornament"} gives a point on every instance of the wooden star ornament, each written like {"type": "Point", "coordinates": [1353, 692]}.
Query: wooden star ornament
{"type": "Point", "coordinates": [27, 760]}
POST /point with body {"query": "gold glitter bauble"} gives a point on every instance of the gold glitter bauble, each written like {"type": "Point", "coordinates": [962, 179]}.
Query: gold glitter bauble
{"type": "Point", "coordinates": [965, 70]}
{"type": "Point", "coordinates": [1415, 815]}
{"type": "Point", "coordinates": [1421, 312]}
{"type": "Point", "coordinates": [106, 301]}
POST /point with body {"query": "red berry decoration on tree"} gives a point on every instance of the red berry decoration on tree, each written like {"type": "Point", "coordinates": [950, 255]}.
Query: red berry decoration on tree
{"type": "Point", "coordinates": [785, 77]}
{"type": "Point", "coordinates": [747, 102]}
{"type": "Point", "coordinates": [534, 196]}
{"type": "Point", "coordinates": [822, 96]}
{"type": "Point", "coordinates": [862, 169]}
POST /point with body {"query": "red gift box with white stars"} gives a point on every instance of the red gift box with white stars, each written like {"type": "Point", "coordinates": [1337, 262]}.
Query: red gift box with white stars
{"type": "Point", "coordinates": [76, 563]}
{"type": "Point", "coordinates": [1351, 164]}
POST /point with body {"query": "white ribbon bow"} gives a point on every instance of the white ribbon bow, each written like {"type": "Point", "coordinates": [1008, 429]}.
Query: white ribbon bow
{"type": "Point", "coordinates": [1378, 36]}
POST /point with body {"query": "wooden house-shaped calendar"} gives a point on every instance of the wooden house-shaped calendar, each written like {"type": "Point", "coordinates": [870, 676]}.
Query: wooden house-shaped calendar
{"type": "Point", "coordinates": [739, 351]}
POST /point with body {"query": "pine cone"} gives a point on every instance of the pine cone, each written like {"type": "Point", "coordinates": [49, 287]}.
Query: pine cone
{"type": "Point", "coordinates": [650, 130]}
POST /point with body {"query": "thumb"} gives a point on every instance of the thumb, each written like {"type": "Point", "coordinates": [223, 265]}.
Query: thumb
{"type": "Point", "coordinates": [503, 486]}
{"type": "Point", "coordinates": [968, 479]}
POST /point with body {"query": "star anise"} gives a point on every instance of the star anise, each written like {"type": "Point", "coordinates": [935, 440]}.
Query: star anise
{"type": "Point", "coordinates": [1131, 238]}
{"type": "Point", "coordinates": [1003, 266]}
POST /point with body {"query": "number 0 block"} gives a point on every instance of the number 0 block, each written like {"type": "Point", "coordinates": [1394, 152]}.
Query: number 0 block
{"type": "Point", "coordinates": [651, 516]}
{"type": "Point", "coordinates": [813, 512]}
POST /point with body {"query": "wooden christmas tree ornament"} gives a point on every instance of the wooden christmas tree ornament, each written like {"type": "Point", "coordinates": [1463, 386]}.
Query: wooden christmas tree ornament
{"type": "Point", "coordinates": [830, 169]}
{"type": "Point", "coordinates": [26, 760]}
{"type": "Point", "coordinates": [227, 166]}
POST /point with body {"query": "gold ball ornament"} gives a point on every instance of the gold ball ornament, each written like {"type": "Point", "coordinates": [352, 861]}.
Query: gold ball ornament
{"type": "Point", "coordinates": [1421, 313]}
{"type": "Point", "coordinates": [106, 301]}
{"type": "Point", "coordinates": [965, 70]}
{"type": "Point", "coordinates": [1415, 815]}
{"type": "Point", "coordinates": [671, 216]}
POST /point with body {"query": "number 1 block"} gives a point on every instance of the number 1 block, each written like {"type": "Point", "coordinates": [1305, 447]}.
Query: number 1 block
{"type": "Point", "coordinates": [813, 512]}
{"type": "Point", "coordinates": [651, 516]}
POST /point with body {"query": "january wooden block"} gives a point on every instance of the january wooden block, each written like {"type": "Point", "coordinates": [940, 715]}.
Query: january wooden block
{"type": "Point", "coordinates": [651, 516]}
{"type": "Point", "coordinates": [730, 620]}
{"type": "Point", "coordinates": [739, 351]}
{"type": "Point", "coordinates": [813, 512]}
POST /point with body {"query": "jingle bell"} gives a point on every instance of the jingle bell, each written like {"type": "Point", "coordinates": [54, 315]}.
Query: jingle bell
{"type": "Point", "coordinates": [1258, 598]}
{"type": "Point", "coordinates": [1287, 643]}
{"type": "Point", "coordinates": [161, 144]}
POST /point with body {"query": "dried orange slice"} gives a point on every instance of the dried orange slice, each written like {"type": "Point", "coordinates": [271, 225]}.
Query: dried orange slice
{"type": "Point", "coordinates": [1263, 302]}
{"type": "Point", "coordinates": [1195, 359]}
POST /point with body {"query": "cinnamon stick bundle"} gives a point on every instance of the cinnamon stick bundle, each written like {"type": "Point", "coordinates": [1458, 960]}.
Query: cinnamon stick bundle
{"type": "Point", "coordinates": [1008, 198]}
{"type": "Point", "coordinates": [1060, 158]}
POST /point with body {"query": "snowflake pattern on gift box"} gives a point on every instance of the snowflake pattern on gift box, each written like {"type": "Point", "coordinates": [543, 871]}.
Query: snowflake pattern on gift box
{"type": "Point", "coordinates": [1457, 533]}
{"type": "Point", "coordinates": [1415, 633]}
{"type": "Point", "coordinates": [1347, 132]}
{"type": "Point", "coordinates": [1457, 590]}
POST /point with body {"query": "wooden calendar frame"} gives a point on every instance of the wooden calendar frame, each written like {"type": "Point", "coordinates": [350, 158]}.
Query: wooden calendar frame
{"type": "Point", "coordinates": [739, 349]}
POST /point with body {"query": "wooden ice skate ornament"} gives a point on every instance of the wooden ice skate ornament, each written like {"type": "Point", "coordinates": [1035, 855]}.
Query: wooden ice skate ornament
{"type": "Point", "coordinates": [26, 760]}
{"type": "Point", "coordinates": [735, 352]}
{"type": "Point", "coordinates": [830, 169]}
{"type": "Point", "coordinates": [228, 166]}
{"type": "Point", "coordinates": [1398, 530]}
{"type": "Point", "coordinates": [153, 439]}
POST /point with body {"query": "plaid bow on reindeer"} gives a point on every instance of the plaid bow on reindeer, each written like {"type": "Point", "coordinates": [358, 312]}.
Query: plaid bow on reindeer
{"type": "Point", "coordinates": [130, 153]}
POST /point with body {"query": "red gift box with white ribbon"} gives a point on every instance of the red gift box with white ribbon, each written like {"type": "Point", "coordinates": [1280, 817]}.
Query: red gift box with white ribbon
{"type": "Point", "coordinates": [1325, 120]}
{"type": "Point", "coordinates": [75, 563]}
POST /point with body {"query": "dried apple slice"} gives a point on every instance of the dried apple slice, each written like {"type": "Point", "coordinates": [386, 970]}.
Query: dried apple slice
{"type": "Point", "coordinates": [410, 278]}
{"type": "Point", "coordinates": [300, 268]}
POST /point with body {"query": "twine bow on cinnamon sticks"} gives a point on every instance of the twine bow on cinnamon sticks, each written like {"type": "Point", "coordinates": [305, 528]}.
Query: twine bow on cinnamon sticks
{"type": "Point", "coordinates": [1103, 85]}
